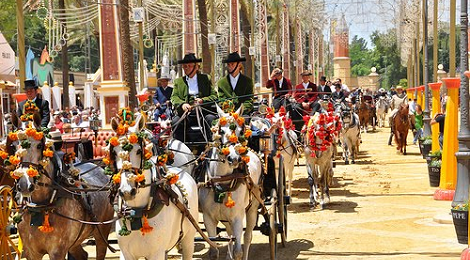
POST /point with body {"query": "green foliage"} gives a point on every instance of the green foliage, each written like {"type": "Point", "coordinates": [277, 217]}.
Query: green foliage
{"type": "Point", "coordinates": [461, 207]}
{"type": "Point", "coordinates": [403, 83]}
{"type": "Point", "coordinates": [436, 153]}
{"type": "Point", "coordinates": [435, 163]}
{"type": "Point", "coordinates": [360, 57]}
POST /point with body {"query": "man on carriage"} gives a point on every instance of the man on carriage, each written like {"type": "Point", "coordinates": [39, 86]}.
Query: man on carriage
{"type": "Point", "coordinates": [162, 96]}
{"type": "Point", "coordinates": [305, 94]}
{"type": "Point", "coordinates": [235, 86]}
{"type": "Point", "coordinates": [281, 86]}
{"type": "Point", "coordinates": [192, 90]}
{"type": "Point", "coordinates": [397, 100]}
{"type": "Point", "coordinates": [31, 89]}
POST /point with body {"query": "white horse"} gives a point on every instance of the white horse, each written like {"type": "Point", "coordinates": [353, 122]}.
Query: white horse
{"type": "Point", "coordinates": [350, 135]}
{"type": "Point", "coordinates": [140, 181]}
{"type": "Point", "coordinates": [318, 151]}
{"type": "Point", "coordinates": [286, 142]}
{"type": "Point", "coordinates": [382, 105]}
{"type": "Point", "coordinates": [227, 158]}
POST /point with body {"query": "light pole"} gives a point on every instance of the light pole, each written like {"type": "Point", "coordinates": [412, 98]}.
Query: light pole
{"type": "Point", "coordinates": [426, 119]}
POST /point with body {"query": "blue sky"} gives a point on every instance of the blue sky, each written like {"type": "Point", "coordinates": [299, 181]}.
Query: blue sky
{"type": "Point", "coordinates": [366, 16]}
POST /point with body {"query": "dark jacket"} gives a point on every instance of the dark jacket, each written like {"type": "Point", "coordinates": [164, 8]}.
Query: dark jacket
{"type": "Point", "coordinates": [181, 89]}
{"type": "Point", "coordinates": [162, 95]}
{"type": "Point", "coordinates": [44, 111]}
{"type": "Point", "coordinates": [243, 93]}
{"type": "Point", "coordinates": [286, 87]}
{"type": "Point", "coordinates": [338, 96]}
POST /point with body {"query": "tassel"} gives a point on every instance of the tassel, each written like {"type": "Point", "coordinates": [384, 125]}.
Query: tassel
{"type": "Point", "coordinates": [230, 202]}
{"type": "Point", "coordinates": [46, 226]}
{"type": "Point", "coordinates": [146, 228]}
{"type": "Point", "coordinates": [124, 231]}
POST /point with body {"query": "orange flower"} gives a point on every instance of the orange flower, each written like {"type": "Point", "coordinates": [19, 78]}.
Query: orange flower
{"type": "Point", "coordinates": [121, 130]}
{"type": "Point", "coordinates": [223, 121]}
{"type": "Point", "coordinates": [246, 159]}
{"type": "Point", "coordinates": [148, 154]}
{"type": "Point", "coordinates": [225, 151]}
{"type": "Point", "coordinates": [30, 132]}
{"type": "Point", "coordinates": [235, 116]}
{"type": "Point", "coordinates": [241, 121]}
{"type": "Point", "coordinates": [117, 178]}
{"type": "Point", "coordinates": [38, 136]}
{"type": "Point", "coordinates": [114, 141]}
{"type": "Point", "coordinates": [133, 138]}
{"type": "Point", "coordinates": [162, 159]}
{"type": "Point", "coordinates": [3, 155]}
{"type": "Point", "coordinates": [13, 136]}
{"type": "Point", "coordinates": [32, 172]}
{"type": "Point", "coordinates": [230, 202]}
{"type": "Point", "coordinates": [132, 124]}
{"type": "Point", "coordinates": [146, 228]}
{"type": "Point", "coordinates": [233, 138]}
{"type": "Point", "coordinates": [174, 179]}
{"type": "Point", "coordinates": [46, 227]}
{"type": "Point", "coordinates": [248, 133]}
{"type": "Point", "coordinates": [14, 160]}
{"type": "Point", "coordinates": [13, 175]}
{"type": "Point", "coordinates": [140, 178]}
{"type": "Point", "coordinates": [242, 150]}
{"type": "Point", "coordinates": [106, 160]}
{"type": "Point", "coordinates": [48, 153]}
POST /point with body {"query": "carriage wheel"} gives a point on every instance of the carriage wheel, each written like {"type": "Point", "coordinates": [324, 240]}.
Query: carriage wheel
{"type": "Point", "coordinates": [282, 206]}
{"type": "Point", "coordinates": [273, 225]}
{"type": "Point", "coordinates": [7, 204]}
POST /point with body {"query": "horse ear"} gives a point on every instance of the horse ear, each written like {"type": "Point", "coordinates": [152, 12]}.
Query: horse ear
{"type": "Point", "coordinates": [15, 120]}
{"type": "Point", "coordinates": [220, 112]}
{"type": "Point", "coordinates": [140, 122]}
{"type": "Point", "coordinates": [114, 124]}
{"type": "Point", "coordinates": [37, 120]}
{"type": "Point", "coordinates": [240, 109]}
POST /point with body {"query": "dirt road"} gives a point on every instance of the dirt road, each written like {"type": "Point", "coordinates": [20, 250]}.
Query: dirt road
{"type": "Point", "coordinates": [381, 208]}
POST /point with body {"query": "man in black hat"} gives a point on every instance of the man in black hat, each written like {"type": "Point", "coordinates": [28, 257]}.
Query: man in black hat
{"type": "Point", "coordinates": [194, 88]}
{"type": "Point", "coordinates": [235, 86]}
{"type": "Point", "coordinates": [324, 92]}
{"type": "Point", "coordinates": [31, 89]}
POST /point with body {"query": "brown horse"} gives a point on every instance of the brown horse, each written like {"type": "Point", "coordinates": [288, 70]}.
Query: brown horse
{"type": "Point", "coordinates": [366, 113]}
{"type": "Point", "coordinates": [401, 124]}
{"type": "Point", "coordinates": [57, 216]}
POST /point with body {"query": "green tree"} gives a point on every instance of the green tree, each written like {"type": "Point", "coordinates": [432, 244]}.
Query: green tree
{"type": "Point", "coordinates": [360, 57]}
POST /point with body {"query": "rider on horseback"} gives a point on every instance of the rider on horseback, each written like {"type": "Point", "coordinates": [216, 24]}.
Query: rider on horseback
{"type": "Point", "coordinates": [399, 98]}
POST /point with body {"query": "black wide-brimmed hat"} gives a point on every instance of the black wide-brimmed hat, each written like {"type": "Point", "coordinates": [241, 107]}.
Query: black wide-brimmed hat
{"type": "Point", "coordinates": [234, 57]}
{"type": "Point", "coordinates": [323, 78]}
{"type": "Point", "coordinates": [189, 58]}
{"type": "Point", "coordinates": [30, 84]}
{"type": "Point", "coordinates": [306, 73]}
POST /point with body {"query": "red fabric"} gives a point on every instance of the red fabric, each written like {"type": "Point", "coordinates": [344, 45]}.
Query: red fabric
{"type": "Point", "coordinates": [301, 95]}
{"type": "Point", "coordinates": [274, 84]}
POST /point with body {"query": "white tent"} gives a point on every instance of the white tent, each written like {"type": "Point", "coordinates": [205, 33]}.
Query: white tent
{"type": "Point", "coordinates": [7, 60]}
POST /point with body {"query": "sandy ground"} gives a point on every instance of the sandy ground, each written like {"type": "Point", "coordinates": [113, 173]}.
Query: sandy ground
{"type": "Point", "coordinates": [381, 208]}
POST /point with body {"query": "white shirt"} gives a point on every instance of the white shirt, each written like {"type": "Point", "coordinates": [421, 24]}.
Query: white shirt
{"type": "Point", "coordinates": [192, 83]}
{"type": "Point", "coordinates": [322, 88]}
{"type": "Point", "coordinates": [280, 82]}
{"type": "Point", "coordinates": [234, 80]}
{"type": "Point", "coordinates": [344, 88]}
{"type": "Point", "coordinates": [305, 85]}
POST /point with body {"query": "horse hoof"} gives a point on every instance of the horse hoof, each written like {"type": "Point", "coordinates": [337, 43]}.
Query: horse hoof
{"type": "Point", "coordinates": [353, 162]}
{"type": "Point", "coordinates": [334, 164]}
{"type": "Point", "coordinates": [346, 162]}
{"type": "Point", "coordinates": [404, 153]}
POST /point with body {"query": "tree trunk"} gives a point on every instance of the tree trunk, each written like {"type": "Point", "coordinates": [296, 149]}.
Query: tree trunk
{"type": "Point", "coordinates": [246, 29]}
{"type": "Point", "coordinates": [206, 54]}
{"type": "Point", "coordinates": [127, 52]}
{"type": "Point", "coordinates": [65, 65]}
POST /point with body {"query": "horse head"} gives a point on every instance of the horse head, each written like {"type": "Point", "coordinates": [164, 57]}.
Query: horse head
{"type": "Point", "coordinates": [31, 156]}
{"type": "Point", "coordinates": [230, 136]}
{"type": "Point", "coordinates": [129, 152]}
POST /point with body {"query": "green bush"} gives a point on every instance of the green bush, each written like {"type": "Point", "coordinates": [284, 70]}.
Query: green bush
{"type": "Point", "coordinates": [435, 163]}
{"type": "Point", "coordinates": [461, 207]}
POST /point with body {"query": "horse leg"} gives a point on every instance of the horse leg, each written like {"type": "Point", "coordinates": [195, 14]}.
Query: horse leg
{"type": "Point", "coordinates": [211, 228]}
{"type": "Point", "coordinates": [59, 254]}
{"type": "Point", "coordinates": [251, 217]}
{"type": "Point", "coordinates": [353, 153]}
{"type": "Point", "coordinates": [404, 145]}
{"type": "Point", "coordinates": [158, 255]}
{"type": "Point", "coordinates": [345, 151]}
{"type": "Point", "coordinates": [78, 253]}
{"type": "Point", "coordinates": [237, 228]}
{"type": "Point", "coordinates": [100, 233]}
{"type": "Point", "coordinates": [187, 245]}
{"type": "Point", "coordinates": [312, 184]}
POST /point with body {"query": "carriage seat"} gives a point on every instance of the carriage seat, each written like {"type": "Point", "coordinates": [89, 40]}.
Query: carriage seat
{"type": "Point", "coordinates": [98, 148]}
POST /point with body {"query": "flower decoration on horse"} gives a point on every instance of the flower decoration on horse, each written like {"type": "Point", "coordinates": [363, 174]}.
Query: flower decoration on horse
{"type": "Point", "coordinates": [230, 129]}
{"type": "Point", "coordinates": [320, 130]}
